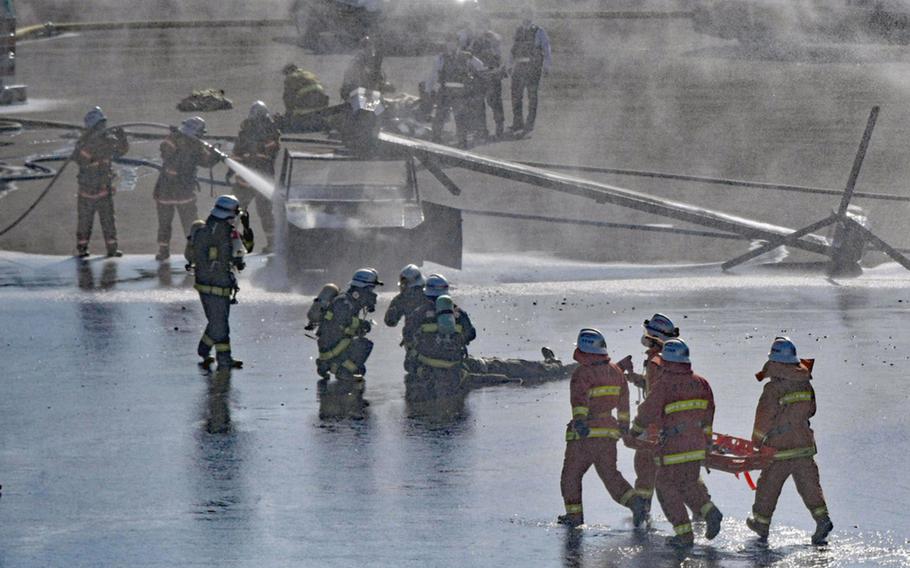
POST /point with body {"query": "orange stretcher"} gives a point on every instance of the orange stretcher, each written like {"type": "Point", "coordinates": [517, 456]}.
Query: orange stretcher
{"type": "Point", "coordinates": [738, 455]}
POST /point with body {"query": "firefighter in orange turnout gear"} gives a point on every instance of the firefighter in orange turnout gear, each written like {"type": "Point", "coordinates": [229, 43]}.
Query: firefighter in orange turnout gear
{"type": "Point", "coordinates": [657, 330]}
{"type": "Point", "coordinates": [782, 421]}
{"type": "Point", "coordinates": [681, 404]}
{"type": "Point", "coordinates": [596, 389]}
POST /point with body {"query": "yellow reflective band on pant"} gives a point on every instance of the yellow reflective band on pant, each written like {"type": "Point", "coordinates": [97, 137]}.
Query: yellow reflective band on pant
{"type": "Point", "coordinates": [682, 457]}
{"type": "Point", "coordinates": [214, 290]}
{"type": "Point", "coordinates": [222, 347]}
{"type": "Point", "coordinates": [350, 366]}
{"type": "Point", "coordinates": [795, 453]}
{"type": "Point", "coordinates": [352, 329]}
{"type": "Point", "coordinates": [626, 496]}
{"type": "Point", "coordinates": [706, 507]}
{"type": "Point", "coordinates": [683, 529]}
{"type": "Point", "coordinates": [574, 508]}
{"type": "Point", "coordinates": [646, 493]}
{"type": "Point", "coordinates": [636, 428]}
{"type": "Point", "coordinates": [208, 340]}
{"type": "Point", "coordinates": [613, 433]}
{"type": "Point", "coordinates": [760, 519]}
{"type": "Point", "coordinates": [793, 397]}
{"type": "Point", "coordinates": [622, 416]}
{"type": "Point", "coordinates": [604, 391]}
{"type": "Point", "coordinates": [684, 405]}
{"type": "Point", "coordinates": [437, 363]}
{"type": "Point", "coordinates": [580, 411]}
{"type": "Point", "coordinates": [335, 351]}
{"type": "Point", "coordinates": [433, 328]}
{"type": "Point", "coordinates": [820, 512]}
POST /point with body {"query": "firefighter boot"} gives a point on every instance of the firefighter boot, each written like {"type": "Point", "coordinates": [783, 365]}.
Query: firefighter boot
{"type": "Point", "coordinates": [682, 541]}
{"type": "Point", "coordinates": [823, 526]}
{"type": "Point", "coordinates": [571, 520]}
{"type": "Point", "coordinates": [758, 527]}
{"type": "Point", "coordinates": [164, 253]}
{"type": "Point", "coordinates": [113, 251]}
{"type": "Point", "coordinates": [548, 355]}
{"type": "Point", "coordinates": [639, 507]}
{"type": "Point", "coordinates": [82, 251]}
{"type": "Point", "coordinates": [713, 518]}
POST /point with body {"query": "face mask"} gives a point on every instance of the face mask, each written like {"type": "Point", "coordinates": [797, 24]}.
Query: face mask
{"type": "Point", "coordinates": [369, 299]}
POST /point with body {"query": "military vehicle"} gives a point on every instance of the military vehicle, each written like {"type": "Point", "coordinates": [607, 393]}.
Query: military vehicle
{"type": "Point", "coordinates": [762, 22]}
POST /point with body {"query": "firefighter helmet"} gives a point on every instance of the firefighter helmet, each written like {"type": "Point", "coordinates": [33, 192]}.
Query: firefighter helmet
{"type": "Point", "coordinates": [591, 341]}
{"type": "Point", "coordinates": [226, 207]}
{"type": "Point", "coordinates": [411, 277]}
{"type": "Point", "coordinates": [289, 68]}
{"type": "Point", "coordinates": [365, 278]}
{"type": "Point", "coordinates": [675, 351]}
{"type": "Point", "coordinates": [94, 117]}
{"type": "Point", "coordinates": [660, 327]}
{"type": "Point", "coordinates": [258, 110]}
{"type": "Point", "coordinates": [193, 126]}
{"type": "Point", "coordinates": [783, 351]}
{"type": "Point", "coordinates": [436, 286]}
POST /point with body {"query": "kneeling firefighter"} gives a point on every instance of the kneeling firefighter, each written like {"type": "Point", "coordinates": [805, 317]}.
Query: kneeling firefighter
{"type": "Point", "coordinates": [597, 388]}
{"type": "Point", "coordinates": [343, 347]}
{"type": "Point", "coordinates": [681, 405]}
{"type": "Point", "coordinates": [441, 346]}
{"type": "Point", "coordinates": [410, 297]}
{"type": "Point", "coordinates": [782, 421]}
{"type": "Point", "coordinates": [215, 248]}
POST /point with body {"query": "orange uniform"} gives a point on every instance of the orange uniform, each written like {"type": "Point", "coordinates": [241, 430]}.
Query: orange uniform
{"type": "Point", "coordinates": [645, 468]}
{"type": "Point", "coordinates": [681, 405]}
{"type": "Point", "coordinates": [597, 388]}
{"type": "Point", "coordinates": [782, 421]}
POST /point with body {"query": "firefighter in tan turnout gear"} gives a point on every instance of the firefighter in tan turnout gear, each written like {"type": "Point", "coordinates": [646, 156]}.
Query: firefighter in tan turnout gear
{"type": "Point", "coordinates": [782, 422]}
{"type": "Point", "coordinates": [257, 148]}
{"type": "Point", "coordinates": [95, 152]}
{"type": "Point", "coordinates": [215, 249]}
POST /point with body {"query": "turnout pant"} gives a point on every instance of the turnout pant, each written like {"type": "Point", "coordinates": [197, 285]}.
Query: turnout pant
{"type": "Point", "coordinates": [493, 98]}
{"type": "Point", "coordinates": [350, 362]}
{"type": "Point", "coordinates": [517, 368]}
{"type": "Point", "coordinates": [580, 456]}
{"type": "Point", "coordinates": [85, 217]}
{"type": "Point", "coordinates": [246, 195]}
{"type": "Point", "coordinates": [771, 481]}
{"type": "Point", "coordinates": [524, 78]}
{"type": "Point", "coordinates": [429, 384]}
{"type": "Point", "coordinates": [218, 331]}
{"type": "Point", "coordinates": [460, 106]}
{"type": "Point", "coordinates": [645, 474]}
{"type": "Point", "coordinates": [677, 486]}
{"type": "Point", "coordinates": [187, 213]}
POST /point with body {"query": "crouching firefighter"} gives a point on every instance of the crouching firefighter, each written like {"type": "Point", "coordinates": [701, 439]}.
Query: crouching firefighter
{"type": "Point", "coordinates": [214, 250]}
{"type": "Point", "coordinates": [657, 331]}
{"type": "Point", "coordinates": [440, 342]}
{"type": "Point", "coordinates": [343, 347]}
{"type": "Point", "coordinates": [782, 421]}
{"type": "Point", "coordinates": [96, 149]}
{"type": "Point", "coordinates": [681, 404]}
{"type": "Point", "coordinates": [597, 388]}
{"type": "Point", "coordinates": [410, 297]}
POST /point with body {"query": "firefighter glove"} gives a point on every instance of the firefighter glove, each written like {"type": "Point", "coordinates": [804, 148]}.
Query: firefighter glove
{"type": "Point", "coordinates": [245, 218]}
{"type": "Point", "coordinates": [626, 364]}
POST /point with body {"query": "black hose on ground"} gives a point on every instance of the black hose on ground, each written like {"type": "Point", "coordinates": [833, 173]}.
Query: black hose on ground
{"type": "Point", "coordinates": [31, 208]}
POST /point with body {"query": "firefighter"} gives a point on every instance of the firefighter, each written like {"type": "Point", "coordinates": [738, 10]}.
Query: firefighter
{"type": "Point", "coordinates": [410, 295]}
{"type": "Point", "coordinates": [782, 421]}
{"type": "Point", "coordinates": [453, 84]}
{"type": "Point", "coordinates": [597, 388]}
{"type": "Point", "coordinates": [365, 70]}
{"type": "Point", "coordinates": [257, 148]}
{"type": "Point", "coordinates": [487, 47]}
{"type": "Point", "coordinates": [440, 343]}
{"type": "Point", "coordinates": [95, 151]}
{"type": "Point", "coordinates": [681, 405]}
{"type": "Point", "coordinates": [529, 59]}
{"type": "Point", "coordinates": [657, 330]}
{"type": "Point", "coordinates": [303, 93]}
{"type": "Point", "coordinates": [341, 335]}
{"type": "Point", "coordinates": [175, 191]}
{"type": "Point", "coordinates": [215, 249]}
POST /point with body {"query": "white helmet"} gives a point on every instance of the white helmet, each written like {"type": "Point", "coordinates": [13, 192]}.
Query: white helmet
{"type": "Point", "coordinates": [226, 207]}
{"type": "Point", "coordinates": [783, 351]}
{"type": "Point", "coordinates": [193, 126]}
{"type": "Point", "coordinates": [675, 351]}
{"type": "Point", "coordinates": [591, 341]}
{"type": "Point", "coordinates": [94, 117]}
{"type": "Point", "coordinates": [436, 286]}
{"type": "Point", "coordinates": [258, 110]}
{"type": "Point", "coordinates": [660, 327]}
{"type": "Point", "coordinates": [365, 278]}
{"type": "Point", "coordinates": [411, 277]}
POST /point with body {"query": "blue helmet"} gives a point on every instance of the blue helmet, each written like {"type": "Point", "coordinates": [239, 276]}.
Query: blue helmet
{"type": "Point", "coordinates": [783, 351]}
{"type": "Point", "coordinates": [365, 278]}
{"type": "Point", "coordinates": [591, 341]}
{"type": "Point", "coordinates": [675, 351]}
{"type": "Point", "coordinates": [193, 126]}
{"type": "Point", "coordinates": [226, 207]}
{"type": "Point", "coordinates": [94, 117]}
{"type": "Point", "coordinates": [436, 286]}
